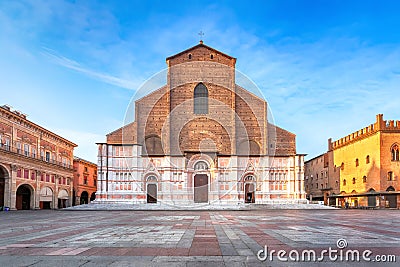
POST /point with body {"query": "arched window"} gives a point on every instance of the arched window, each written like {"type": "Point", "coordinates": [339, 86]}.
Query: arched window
{"type": "Point", "coordinates": [153, 146]}
{"type": "Point", "coordinates": [249, 178]}
{"type": "Point", "coordinates": [357, 163]}
{"type": "Point", "coordinates": [390, 189]}
{"type": "Point", "coordinates": [200, 99]}
{"type": "Point", "coordinates": [354, 180]}
{"type": "Point", "coordinates": [200, 166]}
{"type": "Point", "coordinates": [364, 179]}
{"type": "Point", "coordinates": [367, 159]}
{"type": "Point", "coordinates": [344, 182]}
{"type": "Point", "coordinates": [151, 179]}
{"type": "Point", "coordinates": [190, 56]}
{"type": "Point", "coordinates": [395, 152]}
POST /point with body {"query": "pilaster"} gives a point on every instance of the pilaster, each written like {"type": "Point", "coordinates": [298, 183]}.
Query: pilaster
{"type": "Point", "coordinates": [55, 195]}
{"type": "Point", "coordinates": [38, 189]}
{"type": "Point", "coordinates": [13, 187]}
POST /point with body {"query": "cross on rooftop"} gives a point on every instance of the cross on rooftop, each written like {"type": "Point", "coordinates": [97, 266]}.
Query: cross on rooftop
{"type": "Point", "coordinates": [201, 34]}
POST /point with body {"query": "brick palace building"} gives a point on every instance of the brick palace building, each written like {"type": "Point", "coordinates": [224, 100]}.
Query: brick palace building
{"type": "Point", "coordinates": [35, 164]}
{"type": "Point", "coordinates": [321, 177]}
{"type": "Point", "coordinates": [85, 181]}
{"type": "Point", "coordinates": [200, 138]}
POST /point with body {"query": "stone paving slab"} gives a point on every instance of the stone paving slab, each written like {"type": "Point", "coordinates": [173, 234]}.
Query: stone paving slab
{"type": "Point", "coordinates": [301, 204]}
{"type": "Point", "coordinates": [100, 261]}
{"type": "Point", "coordinates": [193, 238]}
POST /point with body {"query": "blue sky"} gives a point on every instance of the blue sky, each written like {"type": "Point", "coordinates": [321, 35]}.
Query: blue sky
{"type": "Point", "coordinates": [326, 68]}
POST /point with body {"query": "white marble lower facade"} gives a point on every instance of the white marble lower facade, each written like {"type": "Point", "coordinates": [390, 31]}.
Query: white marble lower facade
{"type": "Point", "coordinates": [125, 176]}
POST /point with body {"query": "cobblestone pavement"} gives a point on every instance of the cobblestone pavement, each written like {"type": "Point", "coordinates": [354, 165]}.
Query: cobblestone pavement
{"type": "Point", "coordinates": [194, 238]}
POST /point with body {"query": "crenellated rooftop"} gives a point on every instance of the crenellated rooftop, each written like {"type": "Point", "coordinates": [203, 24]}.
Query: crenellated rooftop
{"type": "Point", "coordinates": [379, 125]}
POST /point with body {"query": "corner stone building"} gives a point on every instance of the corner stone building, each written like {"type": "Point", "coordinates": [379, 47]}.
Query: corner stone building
{"type": "Point", "coordinates": [369, 165]}
{"type": "Point", "coordinates": [322, 177]}
{"type": "Point", "coordinates": [35, 164]}
{"type": "Point", "coordinates": [201, 138]}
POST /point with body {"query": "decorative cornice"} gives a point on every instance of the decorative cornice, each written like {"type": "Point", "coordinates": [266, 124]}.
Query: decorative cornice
{"type": "Point", "coordinates": [10, 115]}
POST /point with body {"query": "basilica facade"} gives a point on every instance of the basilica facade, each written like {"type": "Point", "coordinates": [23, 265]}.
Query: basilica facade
{"type": "Point", "coordinates": [200, 138]}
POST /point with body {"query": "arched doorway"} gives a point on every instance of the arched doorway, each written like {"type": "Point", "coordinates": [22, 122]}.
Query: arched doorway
{"type": "Point", "coordinates": [249, 189]}
{"type": "Point", "coordinates": [151, 193]}
{"type": "Point", "coordinates": [371, 198]}
{"type": "Point", "coordinates": [200, 182]}
{"type": "Point", "coordinates": [151, 186]}
{"type": "Point", "coordinates": [23, 197]}
{"type": "Point", "coordinates": [3, 176]}
{"type": "Point", "coordinates": [93, 196]}
{"type": "Point", "coordinates": [62, 199]}
{"type": "Point", "coordinates": [84, 198]}
{"type": "Point", "coordinates": [391, 200]}
{"type": "Point", "coordinates": [46, 198]}
{"type": "Point", "coordinates": [200, 188]}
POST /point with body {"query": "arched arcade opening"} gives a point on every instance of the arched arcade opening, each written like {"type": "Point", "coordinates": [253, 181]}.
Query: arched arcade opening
{"type": "Point", "coordinates": [24, 197]}
{"type": "Point", "coordinates": [3, 176]}
{"type": "Point", "coordinates": [84, 198]}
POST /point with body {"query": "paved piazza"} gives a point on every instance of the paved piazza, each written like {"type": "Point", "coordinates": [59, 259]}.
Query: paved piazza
{"type": "Point", "coordinates": [193, 238]}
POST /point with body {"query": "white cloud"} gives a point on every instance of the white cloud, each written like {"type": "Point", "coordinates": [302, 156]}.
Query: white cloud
{"type": "Point", "coordinates": [71, 64]}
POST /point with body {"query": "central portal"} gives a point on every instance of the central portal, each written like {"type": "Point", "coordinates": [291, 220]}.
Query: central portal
{"type": "Point", "coordinates": [200, 188]}
{"type": "Point", "coordinates": [151, 193]}
{"type": "Point", "coordinates": [249, 193]}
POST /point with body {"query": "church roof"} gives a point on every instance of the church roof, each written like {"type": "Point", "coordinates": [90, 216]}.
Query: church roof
{"type": "Point", "coordinates": [285, 141]}
{"type": "Point", "coordinates": [201, 44]}
{"type": "Point", "coordinates": [123, 135]}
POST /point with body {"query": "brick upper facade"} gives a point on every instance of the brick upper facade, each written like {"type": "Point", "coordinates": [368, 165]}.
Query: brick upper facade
{"type": "Point", "coordinates": [200, 137]}
{"type": "Point", "coordinates": [236, 116]}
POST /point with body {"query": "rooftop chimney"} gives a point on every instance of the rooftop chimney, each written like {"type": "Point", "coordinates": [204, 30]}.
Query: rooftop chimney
{"type": "Point", "coordinates": [8, 107]}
